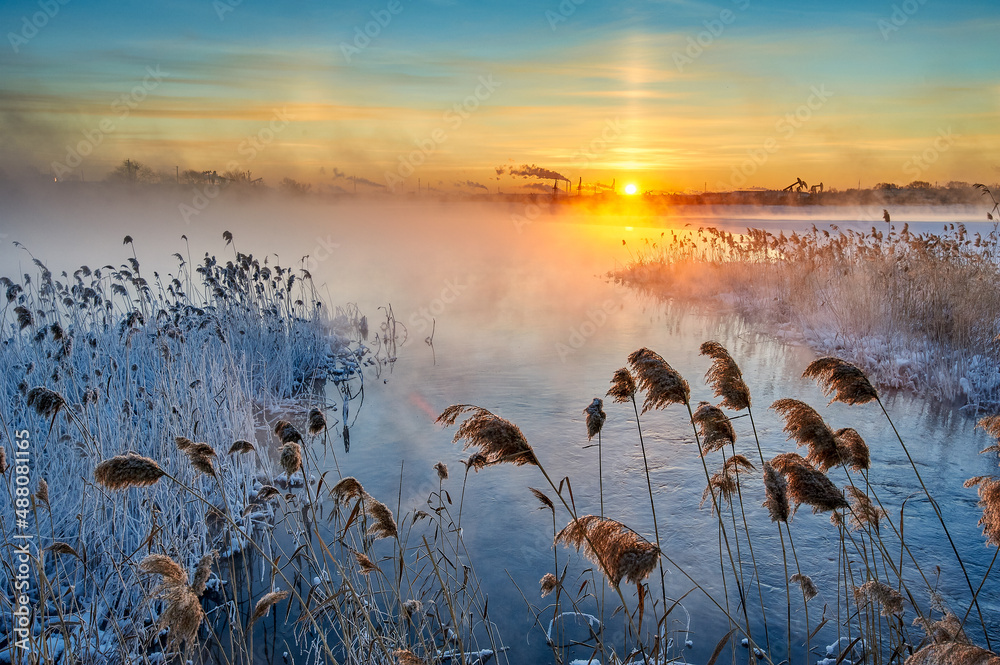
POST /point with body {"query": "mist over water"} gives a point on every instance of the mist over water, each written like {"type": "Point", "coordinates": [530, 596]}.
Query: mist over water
{"type": "Point", "coordinates": [526, 324]}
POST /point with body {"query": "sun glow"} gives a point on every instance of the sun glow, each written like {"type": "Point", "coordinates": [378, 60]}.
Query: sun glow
{"type": "Point", "coordinates": [631, 189]}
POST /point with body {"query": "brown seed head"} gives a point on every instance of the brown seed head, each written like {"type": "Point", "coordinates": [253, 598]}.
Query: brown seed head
{"type": "Point", "coordinates": [726, 378]}
{"type": "Point", "coordinates": [989, 500]}
{"type": "Point", "coordinates": [623, 386]}
{"type": "Point", "coordinates": [202, 572]}
{"type": "Point", "coordinates": [442, 470]}
{"type": "Point", "coordinates": [317, 421]}
{"type": "Point", "coordinates": [128, 470]}
{"type": "Point", "coordinates": [852, 448]}
{"type": "Point", "coordinates": [542, 499]}
{"type": "Point", "coordinates": [183, 443]}
{"type": "Point", "coordinates": [383, 525]}
{"type": "Point", "coordinates": [42, 493]}
{"type": "Point", "coordinates": [3, 460]}
{"type": "Point", "coordinates": [165, 567]}
{"type": "Point", "coordinates": [263, 605]}
{"type": "Point", "coordinates": [366, 565]}
{"type": "Point", "coordinates": [498, 439]}
{"type": "Point", "coordinates": [946, 629]}
{"type": "Point", "coordinates": [617, 549]}
{"type": "Point", "coordinates": [863, 511]}
{"type": "Point", "coordinates": [286, 432]}
{"type": "Point", "coordinates": [715, 428]}
{"type": "Point", "coordinates": [240, 447]}
{"type": "Point", "coordinates": [776, 492]}
{"type": "Point", "coordinates": [662, 383]}
{"type": "Point", "coordinates": [291, 457]}
{"type": "Point", "coordinates": [953, 654]}
{"type": "Point", "coordinates": [59, 547]}
{"type": "Point", "coordinates": [347, 489]}
{"type": "Point", "coordinates": [595, 418]}
{"type": "Point", "coordinates": [182, 615]}
{"type": "Point", "coordinates": [888, 598]}
{"type": "Point", "coordinates": [808, 485]}
{"type": "Point", "coordinates": [808, 428]}
{"type": "Point", "coordinates": [991, 425]}
{"type": "Point", "coordinates": [847, 383]}
{"type": "Point", "coordinates": [411, 607]}
{"type": "Point", "coordinates": [808, 588]}
{"type": "Point", "coordinates": [407, 657]}
{"type": "Point", "coordinates": [548, 584]}
{"type": "Point", "coordinates": [45, 402]}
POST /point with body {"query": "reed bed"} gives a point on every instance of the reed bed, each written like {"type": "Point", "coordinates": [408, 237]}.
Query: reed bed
{"type": "Point", "coordinates": [914, 311]}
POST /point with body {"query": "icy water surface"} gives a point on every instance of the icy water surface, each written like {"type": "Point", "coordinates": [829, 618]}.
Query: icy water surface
{"type": "Point", "coordinates": [526, 324]}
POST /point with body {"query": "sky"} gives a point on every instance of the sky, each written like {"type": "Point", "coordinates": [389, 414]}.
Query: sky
{"type": "Point", "coordinates": [674, 95]}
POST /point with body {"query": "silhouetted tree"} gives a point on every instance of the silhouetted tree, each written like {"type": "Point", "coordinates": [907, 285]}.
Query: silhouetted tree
{"type": "Point", "coordinates": [133, 172]}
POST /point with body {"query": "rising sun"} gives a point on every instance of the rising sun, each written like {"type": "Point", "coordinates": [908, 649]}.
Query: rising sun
{"type": "Point", "coordinates": [631, 189]}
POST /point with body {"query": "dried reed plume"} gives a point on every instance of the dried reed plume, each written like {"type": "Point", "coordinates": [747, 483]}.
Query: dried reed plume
{"type": "Point", "coordinates": [548, 584]}
{"type": "Point", "coordinates": [662, 383]}
{"type": "Point", "coordinates": [595, 418]}
{"type": "Point", "coordinates": [317, 422]}
{"type": "Point", "coordinates": [383, 524]}
{"type": "Point", "coordinates": [367, 565]}
{"type": "Point", "coordinates": [411, 607]}
{"type": "Point", "coordinates": [808, 485]}
{"type": "Point", "coordinates": [3, 460]}
{"type": "Point", "coordinates": [286, 432]}
{"type": "Point", "coordinates": [183, 443]}
{"type": "Point", "coordinates": [291, 458]}
{"type": "Point", "coordinates": [498, 439]}
{"type": "Point", "coordinates": [60, 547]}
{"type": "Point", "coordinates": [715, 428]}
{"type": "Point", "coordinates": [989, 500]}
{"type": "Point", "coordinates": [725, 482]}
{"type": "Point", "coordinates": [991, 425]}
{"type": "Point", "coordinates": [202, 572]}
{"type": "Point", "coordinates": [128, 470]}
{"type": "Point", "coordinates": [946, 629]}
{"type": "Point", "coordinates": [890, 600]}
{"type": "Point", "coordinates": [845, 381]}
{"type": "Point", "coordinates": [617, 549]}
{"type": "Point", "coordinates": [953, 654]}
{"type": "Point", "coordinates": [808, 428]}
{"type": "Point", "coordinates": [809, 590]}
{"type": "Point", "coordinates": [853, 448]}
{"type": "Point", "coordinates": [726, 378]}
{"type": "Point", "coordinates": [442, 470]}
{"type": "Point", "coordinates": [347, 489]}
{"type": "Point", "coordinates": [622, 386]}
{"type": "Point", "coordinates": [182, 613]}
{"type": "Point", "coordinates": [863, 511]}
{"type": "Point", "coordinates": [42, 493]}
{"type": "Point", "coordinates": [407, 657]}
{"type": "Point", "coordinates": [776, 493]}
{"type": "Point", "coordinates": [45, 402]}
{"type": "Point", "coordinates": [542, 499]}
{"type": "Point", "coordinates": [263, 605]}
{"type": "Point", "coordinates": [241, 447]}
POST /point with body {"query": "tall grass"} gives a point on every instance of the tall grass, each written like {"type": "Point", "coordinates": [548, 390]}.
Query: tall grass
{"type": "Point", "coordinates": [915, 311]}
